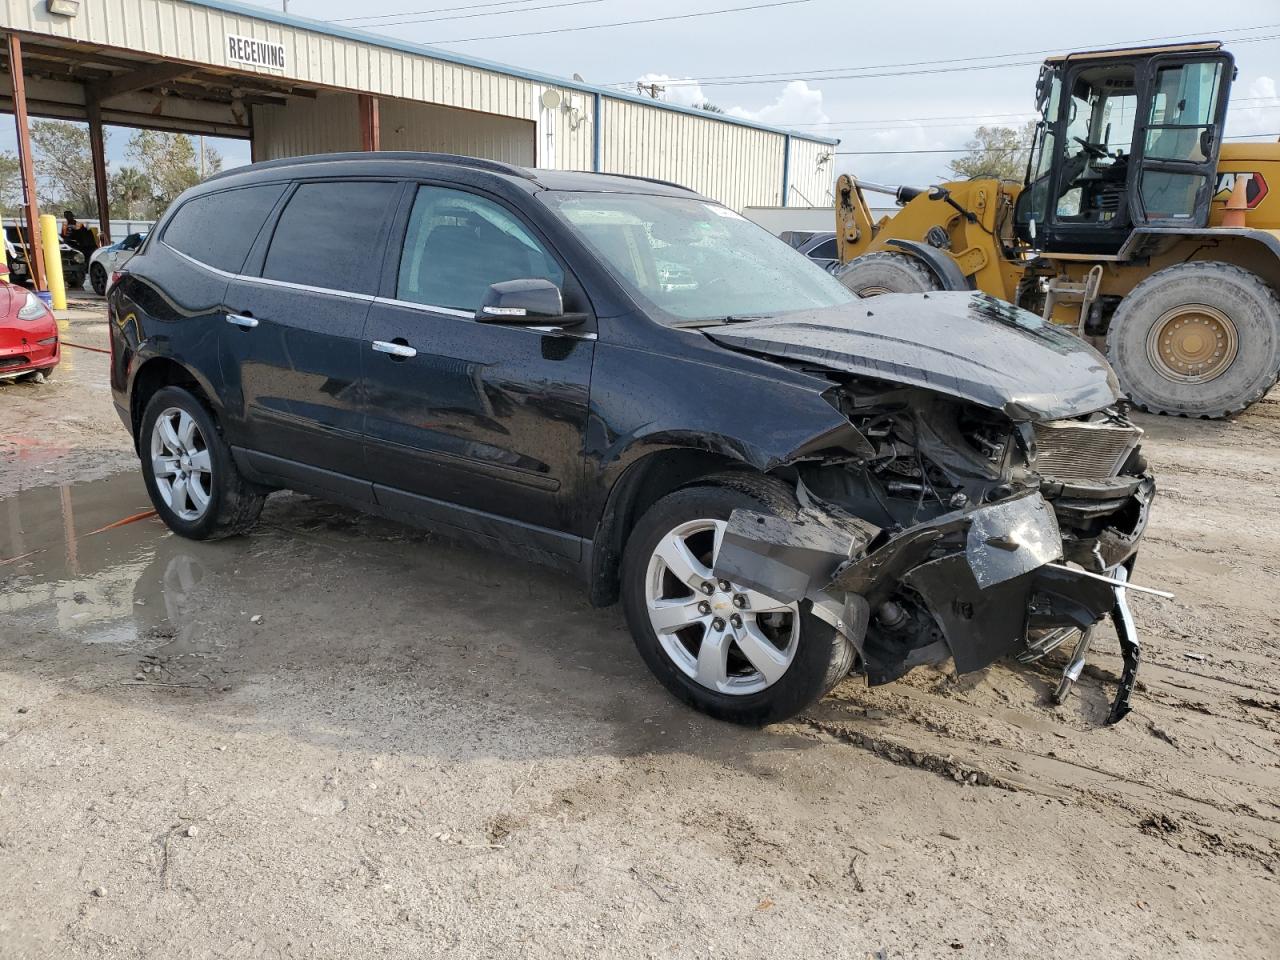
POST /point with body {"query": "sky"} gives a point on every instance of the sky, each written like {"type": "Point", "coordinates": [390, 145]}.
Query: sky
{"type": "Point", "coordinates": [826, 60]}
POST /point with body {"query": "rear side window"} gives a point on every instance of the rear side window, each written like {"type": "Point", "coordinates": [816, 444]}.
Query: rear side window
{"type": "Point", "coordinates": [330, 235]}
{"type": "Point", "coordinates": [219, 228]}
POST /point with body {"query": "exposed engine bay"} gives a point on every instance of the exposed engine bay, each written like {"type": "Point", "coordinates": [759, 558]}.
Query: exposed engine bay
{"type": "Point", "coordinates": [944, 528]}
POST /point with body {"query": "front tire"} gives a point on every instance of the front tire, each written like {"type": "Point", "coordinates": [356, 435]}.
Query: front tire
{"type": "Point", "coordinates": [189, 472]}
{"type": "Point", "coordinates": [877, 273]}
{"type": "Point", "coordinates": [98, 278]}
{"type": "Point", "coordinates": [733, 653]}
{"type": "Point", "coordinates": [1197, 340]}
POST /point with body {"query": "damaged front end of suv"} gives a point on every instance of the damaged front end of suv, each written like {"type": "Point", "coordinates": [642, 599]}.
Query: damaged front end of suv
{"type": "Point", "coordinates": [988, 500]}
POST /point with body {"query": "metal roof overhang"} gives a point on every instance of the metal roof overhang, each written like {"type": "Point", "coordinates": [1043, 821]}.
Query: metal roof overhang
{"type": "Point", "coordinates": [137, 91]}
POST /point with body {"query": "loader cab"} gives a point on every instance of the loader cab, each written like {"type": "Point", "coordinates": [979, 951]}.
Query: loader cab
{"type": "Point", "coordinates": [1125, 139]}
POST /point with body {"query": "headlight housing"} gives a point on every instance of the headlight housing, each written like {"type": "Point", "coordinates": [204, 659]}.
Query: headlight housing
{"type": "Point", "coordinates": [33, 308]}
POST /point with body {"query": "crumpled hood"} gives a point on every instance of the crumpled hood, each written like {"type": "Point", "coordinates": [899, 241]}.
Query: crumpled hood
{"type": "Point", "coordinates": [965, 345]}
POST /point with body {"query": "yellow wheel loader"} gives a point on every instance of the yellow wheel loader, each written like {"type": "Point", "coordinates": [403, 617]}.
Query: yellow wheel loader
{"type": "Point", "coordinates": [1135, 226]}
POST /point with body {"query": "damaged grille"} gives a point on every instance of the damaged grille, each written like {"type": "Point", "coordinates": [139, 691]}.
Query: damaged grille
{"type": "Point", "coordinates": [1073, 450]}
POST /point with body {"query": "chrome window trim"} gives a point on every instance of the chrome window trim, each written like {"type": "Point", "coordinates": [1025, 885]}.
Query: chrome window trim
{"type": "Point", "coordinates": [305, 287]}
{"type": "Point", "coordinates": [199, 263]}
{"type": "Point", "coordinates": [308, 288]}
{"type": "Point", "coordinates": [426, 307]}
{"type": "Point", "coordinates": [367, 298]}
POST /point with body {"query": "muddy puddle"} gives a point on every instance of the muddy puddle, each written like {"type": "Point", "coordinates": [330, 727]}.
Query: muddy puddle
{"type": "Point", "coordinates": [92, 562]}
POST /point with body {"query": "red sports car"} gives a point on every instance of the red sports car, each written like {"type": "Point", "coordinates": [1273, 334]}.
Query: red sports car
{"type": "Point", "coordinates": [28, 333]}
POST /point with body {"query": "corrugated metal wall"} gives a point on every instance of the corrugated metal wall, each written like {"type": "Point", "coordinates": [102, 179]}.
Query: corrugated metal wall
{"type": "Point", "coordinates": [330, 123]}
{"type": "Point", "coordinates": [810, 174]}
{"type": "Point", "coordinates": [736, 165]}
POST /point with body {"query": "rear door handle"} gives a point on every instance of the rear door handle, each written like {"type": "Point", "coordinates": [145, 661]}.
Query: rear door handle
{"type": "Point", "coordinates": [240, 320]}
{"type": "Point", "coordinates": [402, 350]}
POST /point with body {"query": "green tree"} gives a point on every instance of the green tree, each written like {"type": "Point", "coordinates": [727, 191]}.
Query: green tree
{"type": "Point", "coordinates": [170, 164]}
{"type": "Point", "coordinates": [999, 152]}
{"type": "Point", "coordinates": [63, 164]}
{"type": "Point", "coordinates": [10, 183]}
{"type": "Point", "coordinates": [710, 107]}
{"type": "Point", "coordinates": [131, 197]}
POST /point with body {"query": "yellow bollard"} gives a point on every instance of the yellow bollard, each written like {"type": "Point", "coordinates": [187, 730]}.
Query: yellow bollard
{"type": "Point", "coordinates": [53, 260]}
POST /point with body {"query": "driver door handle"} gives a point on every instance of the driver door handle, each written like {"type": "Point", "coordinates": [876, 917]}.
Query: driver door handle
{"type": "Point", "coordinates": [395, 349]}
{"type": "Point", "coordinates": [240, 320]}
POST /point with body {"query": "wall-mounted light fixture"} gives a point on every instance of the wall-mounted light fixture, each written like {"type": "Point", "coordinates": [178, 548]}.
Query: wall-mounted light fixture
{"type": "Point", "coordinates": [62, 8]}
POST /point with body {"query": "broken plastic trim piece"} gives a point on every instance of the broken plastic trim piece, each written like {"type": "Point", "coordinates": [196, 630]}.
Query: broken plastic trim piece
{"type": "Point", "coordinates": [1130, 649]}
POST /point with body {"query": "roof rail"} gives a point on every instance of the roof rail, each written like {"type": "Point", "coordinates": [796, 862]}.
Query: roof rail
{"type": "Point", "coordinates": [664, 183]}
{"type": "Point", "coordinates": [479, 163]}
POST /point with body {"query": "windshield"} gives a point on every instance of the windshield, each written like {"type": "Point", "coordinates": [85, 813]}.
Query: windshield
{"type": "Point", "coordinates": [694, 260]}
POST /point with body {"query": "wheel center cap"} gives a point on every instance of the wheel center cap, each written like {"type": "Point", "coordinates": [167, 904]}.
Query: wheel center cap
{"type": "Point", "coordinates": [721, 603]}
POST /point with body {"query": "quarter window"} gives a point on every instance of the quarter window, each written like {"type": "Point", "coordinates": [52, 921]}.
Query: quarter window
{"type": "Point", "coordinates": [458, 244]}
{"type": "Point", "coordinates": [330, 235]}
{"type": "Point", "coordinates": [219, 228]}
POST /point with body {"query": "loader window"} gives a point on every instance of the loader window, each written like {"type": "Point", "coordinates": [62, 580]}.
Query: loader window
{"type": "Point", "coordinates": [1100, 122]}
{"type": "Point", "coordinates": [1183, 110]}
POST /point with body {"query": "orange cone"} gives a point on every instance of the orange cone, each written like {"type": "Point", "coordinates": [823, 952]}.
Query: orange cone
{"type": "Point", "coordinates": [1237, 203]}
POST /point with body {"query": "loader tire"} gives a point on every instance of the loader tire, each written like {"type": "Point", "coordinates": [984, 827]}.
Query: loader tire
{"type": "Point", "coordinates": [1197, 340]}
{"type": "Point", "coordinates": [877, 273]}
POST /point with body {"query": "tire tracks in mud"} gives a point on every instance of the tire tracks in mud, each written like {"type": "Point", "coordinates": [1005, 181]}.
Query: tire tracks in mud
{"type": "Point", "coordinates": [1023, 745]}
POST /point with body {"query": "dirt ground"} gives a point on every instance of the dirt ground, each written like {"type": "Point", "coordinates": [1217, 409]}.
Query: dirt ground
{"type": "Point", "coordinates": [342, 738]}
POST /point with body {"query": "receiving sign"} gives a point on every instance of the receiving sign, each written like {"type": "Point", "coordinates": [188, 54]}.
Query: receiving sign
{"type": "Point", "coordinates": [259, 53]}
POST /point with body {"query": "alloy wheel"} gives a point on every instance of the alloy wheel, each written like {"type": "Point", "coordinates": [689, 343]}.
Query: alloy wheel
{"type": "Point", "coordinates": [723, 636]}
{"type": "Point", "coordinates": [180, 464]}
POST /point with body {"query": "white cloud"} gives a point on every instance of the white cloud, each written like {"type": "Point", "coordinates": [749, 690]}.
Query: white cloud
{"type": "Point", "coordinates": [798, 104]}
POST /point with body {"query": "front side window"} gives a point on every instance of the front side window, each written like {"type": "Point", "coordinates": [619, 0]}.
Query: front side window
{"type": "Point", "coordinates": [694, 260]}
{"type": "Point", "coordinates": [219, 228]}
{"type": "Point", "coordinates": [459, 244]}
{"type": "Point", "coordinates": [330, 235]}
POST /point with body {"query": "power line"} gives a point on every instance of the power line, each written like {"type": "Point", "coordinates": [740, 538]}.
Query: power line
{"type": "Point", "coordinates": [985, 150]}
{"type": "Point", "coordinates": [859, 126]}
{"type": "Point", "coordinates": [414, 13]}
{"type": "Point", "coordinates": [623, 23]}
{"type": "Point", "coordinates": [744, 78]}
{"type": "Point", "coordinates": [470, 16]}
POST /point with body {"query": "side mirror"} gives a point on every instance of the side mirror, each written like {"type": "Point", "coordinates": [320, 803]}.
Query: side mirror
{"type": "Point", "coordinates": [131, 242]}
{"type": "Point", "coordinates": [531, 302]}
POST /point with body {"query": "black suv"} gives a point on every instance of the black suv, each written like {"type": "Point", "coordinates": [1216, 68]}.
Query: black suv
{"type": "Point", "coordinates": [629, 381]}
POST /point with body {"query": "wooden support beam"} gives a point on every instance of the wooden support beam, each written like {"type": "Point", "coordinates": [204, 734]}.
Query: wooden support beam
{"type": "Point", "coordinates": [151, 76]}
{"type": "Point", "coordinates": [370, 126]}
{"type": "Point", "coordinates": [98, 154]}
{"type": "Point", "coordinates": [35, 252]}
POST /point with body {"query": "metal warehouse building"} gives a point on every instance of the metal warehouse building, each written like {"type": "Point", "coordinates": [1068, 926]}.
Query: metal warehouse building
{"type": "Point", "coordinates": [294, 86]}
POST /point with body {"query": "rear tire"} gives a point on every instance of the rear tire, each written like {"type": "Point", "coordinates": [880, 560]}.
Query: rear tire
{"type": "Point", "coordinates": [192, 480]}
{"type": "Point", "coordinates": [1197, 340]}
{"type": "Point", "coordinates": [877, 273]}
{"type": "Point", "coordinates": [816, 656]}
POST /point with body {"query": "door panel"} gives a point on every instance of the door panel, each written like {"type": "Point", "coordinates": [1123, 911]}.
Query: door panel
{"type": "Point", "coordinates": [1180, 137]}
{"type": "Point", "coordinates": [295, 333]}
{"type": "Point", "coordinates": [299, 370]}
{"type": "Point", "coordinates": [483, 416]}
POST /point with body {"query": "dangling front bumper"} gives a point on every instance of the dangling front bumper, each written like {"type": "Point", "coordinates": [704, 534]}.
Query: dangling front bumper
{"type": "Point", "coordinates": [989, 577]}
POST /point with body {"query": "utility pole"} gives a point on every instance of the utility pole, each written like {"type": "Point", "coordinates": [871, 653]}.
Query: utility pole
{"type": "Point", "coordinates": [654, 90]}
